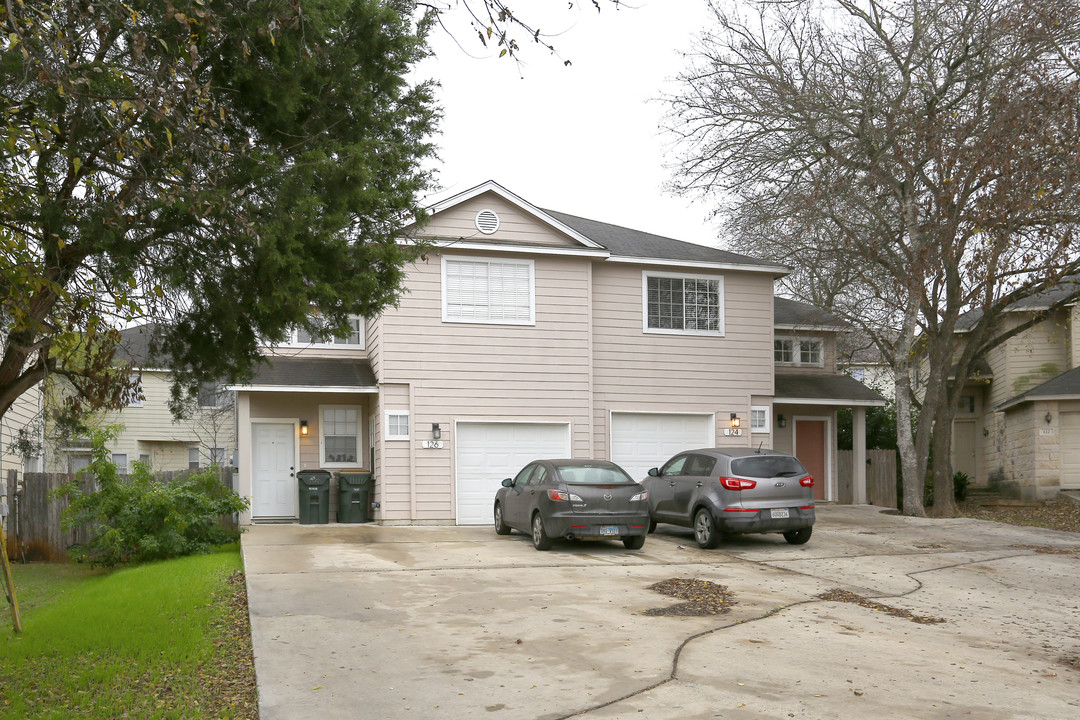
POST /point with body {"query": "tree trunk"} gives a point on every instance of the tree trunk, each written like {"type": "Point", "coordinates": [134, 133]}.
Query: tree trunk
{"type": "Point", "coordinates": [944, 498]}
{"type": "Point", "coordinates": [912, 469]}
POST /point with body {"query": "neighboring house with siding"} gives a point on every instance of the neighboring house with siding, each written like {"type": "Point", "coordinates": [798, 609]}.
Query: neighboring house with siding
{"type": "Point", "coordinates": [530, 333]}
{"type": "Point", "coordinates": [149, 433]}
{"type": "Point", "coordinates": [23, 417]}
{"type": "Point", "coordinates": [1018, 421]}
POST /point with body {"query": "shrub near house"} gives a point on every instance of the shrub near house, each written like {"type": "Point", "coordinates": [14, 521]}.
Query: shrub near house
{"type": "Point", "coordinates": [136, 517]}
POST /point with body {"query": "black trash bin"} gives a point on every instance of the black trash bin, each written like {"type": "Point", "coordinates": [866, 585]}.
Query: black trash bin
{"type": "Point", "coordinates": [354, 489]}
{"type": "Point", "coordinates": [314, 496]}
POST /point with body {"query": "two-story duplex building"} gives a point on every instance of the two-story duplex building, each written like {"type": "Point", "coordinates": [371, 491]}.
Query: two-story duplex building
{"type": "Point", "coordinates": [531, 333]}
{"type": "Point", "coordinates": [1018, 421]}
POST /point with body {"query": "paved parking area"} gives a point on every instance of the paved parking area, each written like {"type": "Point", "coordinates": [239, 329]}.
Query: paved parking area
{"type": "Point", "coordinates": [456, 622]}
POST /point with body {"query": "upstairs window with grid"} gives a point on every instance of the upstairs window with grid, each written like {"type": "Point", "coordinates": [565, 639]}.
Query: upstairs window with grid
{"type": "Point", "coordinates": [683, 304]}
{"type": "Point", "coordinates": [488, 291]}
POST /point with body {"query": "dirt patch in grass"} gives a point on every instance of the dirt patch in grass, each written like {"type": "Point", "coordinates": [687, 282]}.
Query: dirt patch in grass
{"type": "Point", "coordinates": [702, 597]}
{"type": "Point", "coordinates": [1060, 514]}
{"type": "Point", "coordinates": [838, 595]}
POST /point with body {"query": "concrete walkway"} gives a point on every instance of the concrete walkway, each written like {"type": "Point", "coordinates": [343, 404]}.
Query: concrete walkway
{"type": "Point", "coordinates": [456, 622]}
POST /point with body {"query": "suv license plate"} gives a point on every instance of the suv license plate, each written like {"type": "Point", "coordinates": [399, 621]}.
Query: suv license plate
{"type": "Point", "coordinates": [779, 513]}
{"type": "Point", "coordinates": [614, 529]}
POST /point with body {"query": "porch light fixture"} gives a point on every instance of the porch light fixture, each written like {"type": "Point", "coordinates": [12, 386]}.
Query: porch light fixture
{"type": "Point", "coordinates": [781, 421]}
{"type": "Point", "coordinates": [436, 431]}
{"type": "Point", "coordinates": [735, 421]}
{"type": "Point", "coordinates": [303, 428]}
{"type": "Point", "coordinates": [1048, 417]}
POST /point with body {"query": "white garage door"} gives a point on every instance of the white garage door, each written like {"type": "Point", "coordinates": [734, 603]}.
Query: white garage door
{"type": "Point", "coordinates": [640, 441]}
{"type": "Point", "coordinates": [1070, 450]}
{"type": "Point", "coordinates": [488, 452]}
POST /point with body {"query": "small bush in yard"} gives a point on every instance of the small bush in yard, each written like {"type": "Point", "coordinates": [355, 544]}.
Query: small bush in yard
{"type": "Point", "coordinates": [136, 517]}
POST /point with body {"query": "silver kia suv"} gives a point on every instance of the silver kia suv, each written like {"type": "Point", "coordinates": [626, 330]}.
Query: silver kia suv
{"type": "Point", "coordinates": [720, 491]}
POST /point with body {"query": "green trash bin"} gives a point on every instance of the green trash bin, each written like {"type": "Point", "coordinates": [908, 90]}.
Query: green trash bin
{"type": "Point", "coordinates": [314, 496]}
{"type": "Point", "coordinates": [354, 489]}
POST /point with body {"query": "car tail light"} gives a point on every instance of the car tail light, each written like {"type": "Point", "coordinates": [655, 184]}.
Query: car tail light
{"type": "Point", "coordinates": [737, 483]}
{"type": "Point", "coordinates": [740, 509]}
{"type": "Point", "coordinates": [641, 496]}
{"type": "Point", "coordinates": [806, 507]}
{"type": "Point", "coordinates": [807, 481]}
{"type": "Point", "coordinates": [558, 495]}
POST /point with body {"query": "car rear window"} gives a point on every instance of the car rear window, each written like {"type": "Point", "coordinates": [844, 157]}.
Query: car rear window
{"type": "Point", "coordinates": [592, 475]}
{"type": "Point", "coordinates": [767, 466]}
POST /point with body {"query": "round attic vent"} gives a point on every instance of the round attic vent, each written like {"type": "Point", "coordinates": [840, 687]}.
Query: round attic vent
{"type": "Point", "coordinates": [487, 221]}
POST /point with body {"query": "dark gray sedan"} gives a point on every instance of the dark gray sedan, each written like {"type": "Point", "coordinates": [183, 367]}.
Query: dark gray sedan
{"type": "Point", "coordinates": [719, 491]}
{"type": "Point", "coordinates": [573, 499]}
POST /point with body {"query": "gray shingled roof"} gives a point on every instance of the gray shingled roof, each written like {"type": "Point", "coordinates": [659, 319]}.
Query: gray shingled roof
{"type": "Point", "coordinates": [625, 242]}
{"type": "Point", "coordinates": [134, 347]}
{"type": "Point", "coordinates": [1065, 384]}
{"type": "Point", "coordinates": [1032, 303]}
{"type": "Point", "coordinates": [838, 388]}
{"type": "Point", "coordinates": [793, 312]}
{"type": "Point", "coordinates": [288, 372]}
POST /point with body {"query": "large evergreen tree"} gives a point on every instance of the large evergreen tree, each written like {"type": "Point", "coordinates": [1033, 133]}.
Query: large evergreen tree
{"type": "Point", "coordinates": [223, 165]}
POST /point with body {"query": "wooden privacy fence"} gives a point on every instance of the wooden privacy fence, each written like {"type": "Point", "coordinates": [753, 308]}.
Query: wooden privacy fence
{"type": "Point", "coordinates": [33, 521]}
{"type": "Point", "coordinates": [880, 477]}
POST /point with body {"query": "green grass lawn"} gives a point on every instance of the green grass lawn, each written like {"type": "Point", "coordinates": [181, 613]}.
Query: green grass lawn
{"type": "Point", "coordinates": [160, 640]}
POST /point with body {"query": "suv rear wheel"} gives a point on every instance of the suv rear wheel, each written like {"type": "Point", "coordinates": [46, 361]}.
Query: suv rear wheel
{"type": "Point", "coordinates": [798, 537]}
{"type": "Point", "coordinates": [705, 531]}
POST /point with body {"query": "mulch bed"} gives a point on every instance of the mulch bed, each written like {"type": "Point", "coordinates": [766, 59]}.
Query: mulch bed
{"type": "Point", "coordinates": [1060, 514]}
{"type": "Point", "coordinates": [838, 595]}
{"type": "Point", "coordinates": [229, 681]}
{"type": "Point", "coordinates": [702, 597]}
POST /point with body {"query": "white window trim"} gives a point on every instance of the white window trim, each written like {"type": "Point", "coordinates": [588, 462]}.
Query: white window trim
{"type": "Point", "coordinates": [292, 340]}
{"type": "Point", "coordinates": [646, 274]}
{"type": "Point", "coordinates": [796, 352]}
{"type": "Point", "coordinates": [502, 261]}
{"type": "Point", "coordinates": [137, 396]}
{"type": "Point", "coordinates": [126, 468]}
{"type": "Point", "coordinates": [768, 419]}
{"type": "Point", "coordinates": [198, 458]}
{"type": "Point", "coordinates": [408, 425]}
{"type": "Point", "coordinates": [359, 437]}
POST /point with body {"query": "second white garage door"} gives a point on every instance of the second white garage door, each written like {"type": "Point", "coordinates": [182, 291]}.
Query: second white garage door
{"type": "Point", "coordinates": [488, 452]}
{"type": "Point", "coordinates": [640, 441]}
{"type": "Point", "coordinates": [1070, 450]}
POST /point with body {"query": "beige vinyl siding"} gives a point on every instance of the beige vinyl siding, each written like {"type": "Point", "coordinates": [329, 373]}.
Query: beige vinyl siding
{"type": "Point", "coordinates": [394, 471]}
{"type": "Point", "coordinates": [1074, 336]}
{"type": "Point", "coordinates": [22, 413]}
{"type": "Point", "coordinates": [475, 371]}
{"type": "Point", "coordinates": [515, 227]}
{"type": "Point", "coordinates": [1037, 354]}
{"type": "Point", "coordinates": [639, 371]}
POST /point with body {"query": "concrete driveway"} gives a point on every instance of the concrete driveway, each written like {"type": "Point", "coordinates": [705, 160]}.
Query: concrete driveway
{"type": "Point", "coordinates": [456, 622]}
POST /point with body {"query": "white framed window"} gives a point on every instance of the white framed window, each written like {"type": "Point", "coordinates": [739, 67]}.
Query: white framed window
{"type": "Point", "coordinates": [133, 397]}
{"type": "Point", "coordinates": [217, 456]}
{"type": "Point", "coordinates": [213, 396]}
{"type": "Point", "coordinates": [339, 435]}
{"type": "Point", "coordinates": [120, 460]}
{"type": "Point", "coordinates": [798, 352]}
{"type": "Point", "coordinates": [759, 419]}
{"type": "Point", "coordinates": [784, 350]}
{"type": "Point", "coordinates": [354, 339]}
{"type": "Point", "coordinates": [144, 458]}
{"type": "Point", "coordinates": [78, 462]}
{"type": "Point", "coordinates": [858, 373]}
{"type": "Point", "coordinates": [397, 425]}
{"type": "Point", "coordinates": [683, 304]}
{"type": "Point", "coordinates": [485, 290]}
{"type": "Point", "coordinates": [193, 458]}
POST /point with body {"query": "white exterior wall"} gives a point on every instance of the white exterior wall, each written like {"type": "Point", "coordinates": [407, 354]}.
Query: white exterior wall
{"type": "Point", "coordinates": [23, 413]}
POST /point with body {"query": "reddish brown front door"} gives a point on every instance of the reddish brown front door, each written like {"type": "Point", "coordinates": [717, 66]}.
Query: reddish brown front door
{"type": "Point", "coordinates": [810, 449]}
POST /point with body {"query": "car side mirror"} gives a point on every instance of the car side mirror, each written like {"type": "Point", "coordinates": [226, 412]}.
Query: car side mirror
{"type": "Point", "coordinates": [508, 482]}
{"type": "Point", "coordinates": [654, 472]}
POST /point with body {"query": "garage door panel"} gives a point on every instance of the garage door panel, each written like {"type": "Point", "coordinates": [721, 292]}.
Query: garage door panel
{"type": "Point", "coordinates": [640, 441]}
{"type": "Point", "coordinates": [488, 452]}
{"type": "Point", "coordinates": [1070, 450]}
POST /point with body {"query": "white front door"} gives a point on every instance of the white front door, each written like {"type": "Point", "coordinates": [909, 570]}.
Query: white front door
{"type": "Point", "coordinates": [488, 452]}
{"type": "Point", "coordinates": [273, 480]}
{"type": "Point", "coordinates": [640, 441]}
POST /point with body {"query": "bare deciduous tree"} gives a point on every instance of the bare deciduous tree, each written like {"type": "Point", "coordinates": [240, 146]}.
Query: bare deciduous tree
{"type": "Point", "coordinates": [914, 160]}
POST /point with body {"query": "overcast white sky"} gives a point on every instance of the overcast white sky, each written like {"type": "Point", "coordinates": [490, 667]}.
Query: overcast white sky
{"type": "Point", "coordinates": [582, 139]}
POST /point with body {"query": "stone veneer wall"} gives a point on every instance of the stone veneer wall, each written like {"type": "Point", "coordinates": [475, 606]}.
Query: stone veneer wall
{"type": "Point", "coordinates": [1029, 450]}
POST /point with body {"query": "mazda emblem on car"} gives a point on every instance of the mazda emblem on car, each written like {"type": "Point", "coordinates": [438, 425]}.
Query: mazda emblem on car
{"type": "Point", "coordinates": [607, 496]}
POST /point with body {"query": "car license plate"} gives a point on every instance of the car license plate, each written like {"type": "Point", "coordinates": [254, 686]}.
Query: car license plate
{"type": "Point", "coordinates": [779, 513]}
{"type": "Point", "coordinates": [609, 530]}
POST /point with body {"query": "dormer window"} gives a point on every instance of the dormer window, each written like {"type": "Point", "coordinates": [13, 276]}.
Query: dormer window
{"type": "Point", "coordinates": [798, 352]}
